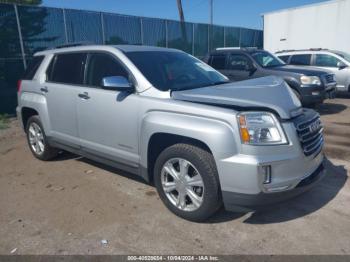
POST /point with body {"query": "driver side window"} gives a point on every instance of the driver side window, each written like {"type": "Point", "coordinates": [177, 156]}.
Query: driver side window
{"type": "Point", "coordinates": [326, 60]}
{"type": "Point", "coordinates": [102, 65]}
{"type": "Point", "coordinates": [238, 62]}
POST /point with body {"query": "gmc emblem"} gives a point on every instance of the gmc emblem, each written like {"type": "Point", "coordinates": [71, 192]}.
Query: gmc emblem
{"type": "Point", "coordinates": [315, 126]}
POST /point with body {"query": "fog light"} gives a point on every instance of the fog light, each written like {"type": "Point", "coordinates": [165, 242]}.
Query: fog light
{"type": "Point", "coordinates": [315, 93]}
{"type": "Point", "coordinates": [266, 172]}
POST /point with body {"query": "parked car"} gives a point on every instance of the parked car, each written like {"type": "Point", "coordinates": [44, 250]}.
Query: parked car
{"type": "Point", "coordinates": [173, 120]}
{"type": "Point", "coordinates": [337, 62]}
{"type": "Point", "coordinates": [311, 86]}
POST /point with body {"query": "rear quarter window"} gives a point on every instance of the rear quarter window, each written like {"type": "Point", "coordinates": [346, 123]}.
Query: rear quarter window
{"type": "Point", "coordinates": [67, 69]}
{"type": "Point", "coordinates": [218, 61]}
{"type": "Point", "coordinates": [32, 67]}
{"type": "Point", "coordinates": [300, 59]}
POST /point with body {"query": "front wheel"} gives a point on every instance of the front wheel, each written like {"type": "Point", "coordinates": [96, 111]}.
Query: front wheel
{"type": "Point", "coordinates": [187, 181]}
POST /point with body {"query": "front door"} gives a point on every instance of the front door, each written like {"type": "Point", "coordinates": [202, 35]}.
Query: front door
{"type": "Point", "coordinates": [238, 68]}
{"type": "Point", "coordinates": [330, 63]}
{"type": "Point", "coordinates": [107, 119]}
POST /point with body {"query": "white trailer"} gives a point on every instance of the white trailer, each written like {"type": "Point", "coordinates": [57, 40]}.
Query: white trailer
{"type": "Point", "coordinates": [322, 25]}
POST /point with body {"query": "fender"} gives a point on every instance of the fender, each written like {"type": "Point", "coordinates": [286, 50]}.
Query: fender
{"type": "Point", "coordinates": [217, 135]}
{"type": "Point", "coordinates": [37, 102]}
{"type": "Point", "coordinates": [293, 83]}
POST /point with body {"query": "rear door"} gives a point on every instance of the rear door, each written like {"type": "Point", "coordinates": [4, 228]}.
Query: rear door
{"type": "Point", "coordinates": [300, 59]}
{"type": "Point", "coordinates": [64, 76]}
{"type": "Point", "coordinates": [218, 61]}
{"type": "Point", "coordinates": [107, 119]}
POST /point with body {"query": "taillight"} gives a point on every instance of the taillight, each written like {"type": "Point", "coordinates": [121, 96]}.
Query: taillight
{"type": "Point", "coordinates": [19, 83]}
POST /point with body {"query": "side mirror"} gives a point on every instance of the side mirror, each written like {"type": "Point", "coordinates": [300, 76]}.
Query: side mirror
{"type": "Point", "coordinates": [341, 65]}
{"type": "Point", "coordinates": [118, 83]}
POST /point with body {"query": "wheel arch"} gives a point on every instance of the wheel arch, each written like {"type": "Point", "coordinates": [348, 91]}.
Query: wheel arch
{"type": "Point", "coordinates": [26, 113]}
{"type": "Point", "coordinates": [160, 141]}
{"type": "Point", "coordinates": [35, 104]}
{"type": "Point", "coordinates": [160, 130]}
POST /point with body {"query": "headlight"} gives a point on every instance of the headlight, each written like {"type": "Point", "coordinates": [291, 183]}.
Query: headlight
{"type": "Point", "coordinates": [260, 128]}
{"type": "Point", "coordinates": [310, 80]}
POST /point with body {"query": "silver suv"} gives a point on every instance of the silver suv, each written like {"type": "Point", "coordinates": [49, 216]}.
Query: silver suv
{"type": "Point", "coordinates": [337, 62]}
{"type": "Point", "coordinates": [173, 120]}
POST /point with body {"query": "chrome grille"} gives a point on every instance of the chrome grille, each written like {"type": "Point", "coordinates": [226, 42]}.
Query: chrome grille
{"type": "Point", "coordinates": [329, 78]}
{"type": "Point", "coordinates": [310, 134]}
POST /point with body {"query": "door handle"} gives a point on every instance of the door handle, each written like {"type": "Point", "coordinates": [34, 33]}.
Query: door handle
{"type": "Point", "coordinates": [44, 89]}
{"type": "Point", "coordinates": [84, 95]}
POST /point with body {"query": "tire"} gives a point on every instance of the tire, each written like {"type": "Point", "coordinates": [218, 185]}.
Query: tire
{"type": "Point", "coordinates": [37, 139]}
{"type": "Point", "coordinates": [198, 162]}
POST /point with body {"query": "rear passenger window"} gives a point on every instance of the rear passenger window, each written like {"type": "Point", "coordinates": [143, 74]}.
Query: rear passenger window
{"type": "Point", "coordinates": [32, 67]}
{"type": "Point", "coordinates": [284, 58]}
{"type": "Point", "coordinates": [67, 69]}
{"type": "Point", "coordinates": [103, 65]}
{"type": "Point", "coordinates": [218, 61]}
{"type": "Point", "coordinates": [300, 60]}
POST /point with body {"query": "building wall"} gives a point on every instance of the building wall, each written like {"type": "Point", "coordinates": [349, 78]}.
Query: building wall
{"type": "Point", "coordinates": [324, 25]}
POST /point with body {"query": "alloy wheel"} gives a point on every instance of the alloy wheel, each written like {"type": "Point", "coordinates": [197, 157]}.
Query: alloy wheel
{"type": "Point", "coordinates": [36, 138]}
{"type": "Point", "coordinates": [182, 184]}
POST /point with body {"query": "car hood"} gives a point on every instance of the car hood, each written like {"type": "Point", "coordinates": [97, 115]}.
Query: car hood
{"type": "Point", "coordinates": [300, 70]}
{"type": "Point", "coordinates": [262, 93]}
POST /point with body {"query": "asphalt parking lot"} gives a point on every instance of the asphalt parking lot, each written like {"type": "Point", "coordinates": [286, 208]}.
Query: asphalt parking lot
{"type": "Point", "coordinates": [68, 206]}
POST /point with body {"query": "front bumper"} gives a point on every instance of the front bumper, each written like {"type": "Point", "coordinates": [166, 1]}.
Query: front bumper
{"type": "Point", "coordinates": [239, 202]}
{"type": "Point", "coordinates": [291, 168]}
{"type": "Point", "coordinates": [317, 94]}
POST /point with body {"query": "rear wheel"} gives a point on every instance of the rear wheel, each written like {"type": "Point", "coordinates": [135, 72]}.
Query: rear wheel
{"type": "Point", "coordinates": [37, 140]}
{"type": "Point", "coordinates": [187, 181]}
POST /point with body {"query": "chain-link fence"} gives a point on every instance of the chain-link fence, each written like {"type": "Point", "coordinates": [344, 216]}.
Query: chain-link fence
{"type": "Point", "coordinates": [28, 29]}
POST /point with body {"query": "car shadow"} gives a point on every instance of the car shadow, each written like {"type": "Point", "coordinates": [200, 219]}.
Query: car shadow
{"type": "Point", "coordinates": [306, 203]}
{"type": "Point", "coordinates": [330, 108]}
{"type": "Point", "coordinates": [113, 170]}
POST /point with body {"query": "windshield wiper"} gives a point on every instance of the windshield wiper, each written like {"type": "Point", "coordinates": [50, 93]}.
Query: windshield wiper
{"type": "Point", "coordinates": [219, 83]}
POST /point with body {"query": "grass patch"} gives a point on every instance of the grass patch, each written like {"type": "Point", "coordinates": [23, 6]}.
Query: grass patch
{"type": "Point", "coordinates": [4, 121]}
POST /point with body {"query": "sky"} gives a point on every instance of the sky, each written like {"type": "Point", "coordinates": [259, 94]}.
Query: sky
{"type": "Point", "coordinates": [245, 13]}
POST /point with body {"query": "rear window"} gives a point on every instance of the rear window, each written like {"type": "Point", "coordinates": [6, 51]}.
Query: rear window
{"type": "Point", "coordinates": [300, 60]}
{"type": "Point", "coordinates": [218, 61]}
{"type": "Point", "coordinates": [67, 69]}
{"type": "Point", "coordinates": [32, 67]}
{"type": "Point", "coordinates": [284, 58]}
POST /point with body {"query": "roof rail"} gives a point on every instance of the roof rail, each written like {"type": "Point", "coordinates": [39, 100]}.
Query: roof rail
{"type": "Point", "coordinates": [72, 45]}
{"type": "Point", "coordinates": [237, 48]}
{"type": "Point", "coordinates": [310, 49]}
{"type": "Point", "coordinates": [228, 48]}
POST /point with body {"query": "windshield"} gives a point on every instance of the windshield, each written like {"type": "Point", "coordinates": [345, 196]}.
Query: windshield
{"type": "Point", "coordinates": [168, 70]}
{"type": "Point", "coordinates": [344, 55]}
{"type": "Point", "coordinates": [265, 59]}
